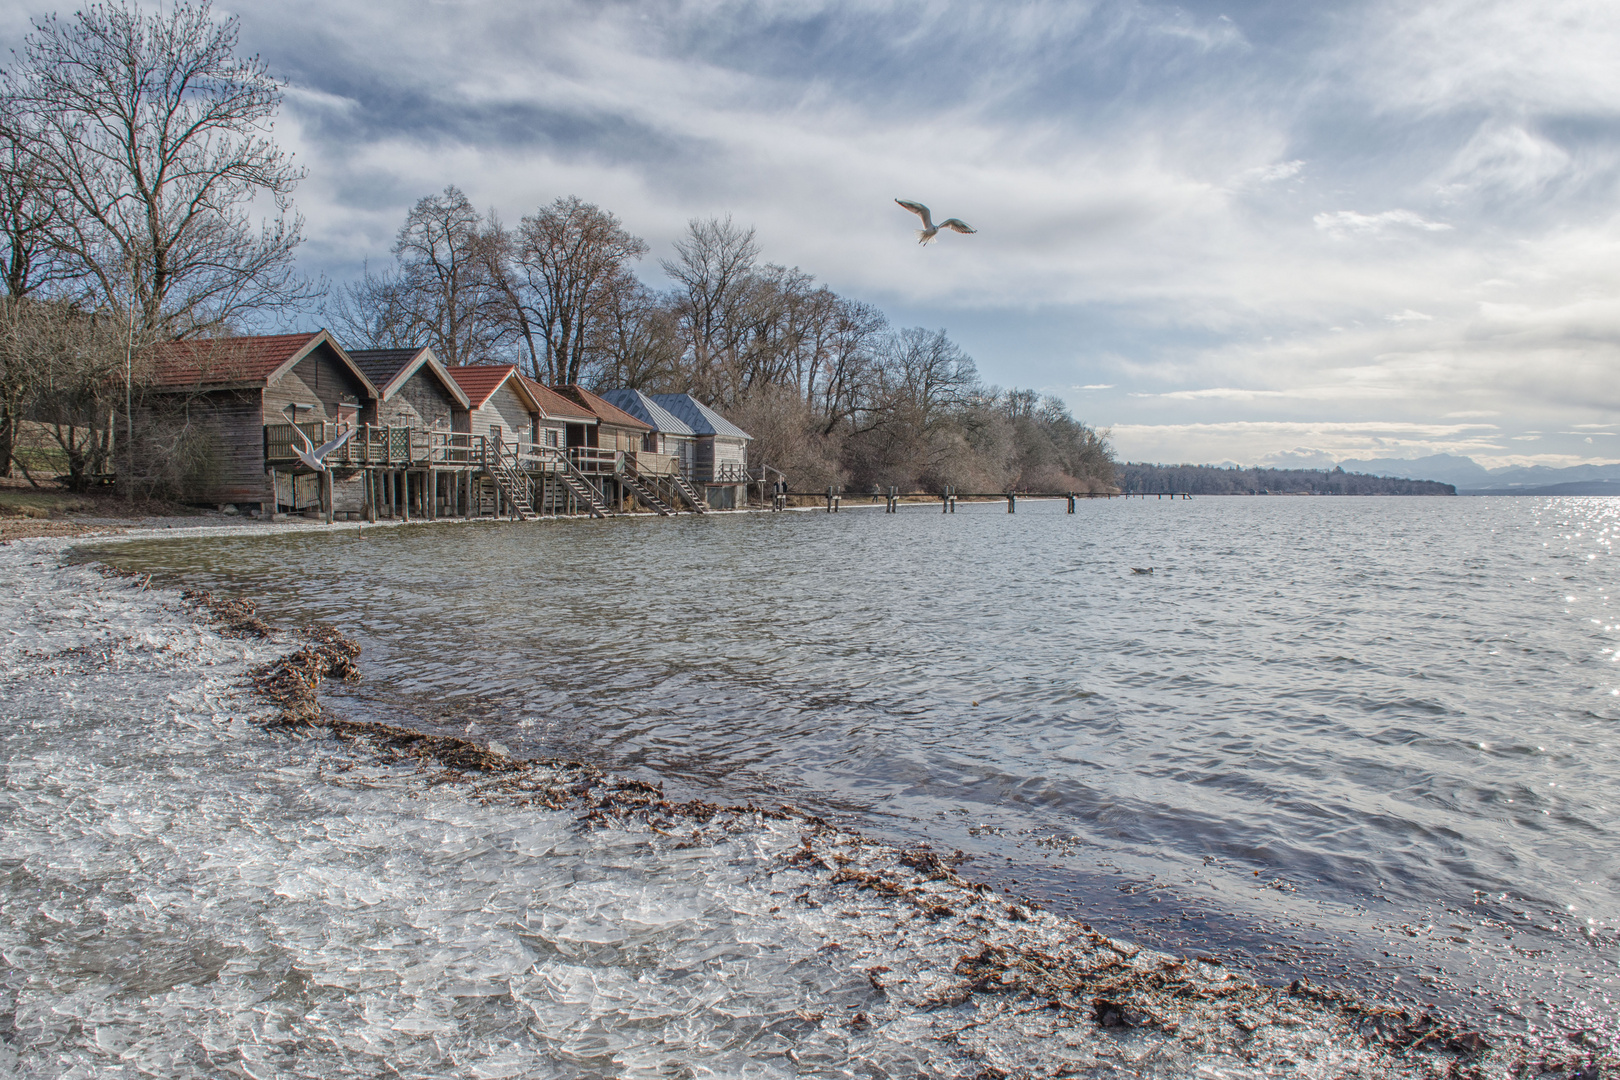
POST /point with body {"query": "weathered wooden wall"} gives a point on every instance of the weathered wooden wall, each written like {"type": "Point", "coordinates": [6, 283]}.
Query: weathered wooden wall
{"type": "Point", "coordinates": [421, 402]}
{"type": "Point", "coordinates": [506, 409]}
{"type": "Point", "coordinates": [613, 437]}
{"type": "Point", "coordinates": [209, 444]}
{"type": "Point", "coordinates": [319, 379]}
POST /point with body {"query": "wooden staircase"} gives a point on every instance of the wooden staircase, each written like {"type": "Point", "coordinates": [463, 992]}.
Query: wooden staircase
{"type": "Point", "coordinates": [644, 486]}
{"type": "Point", "coordinates": [688, 494]}
{"type": "Point", "coordinates": [516, 488]}
{"type": "Point", "coordinates": [582, 489]}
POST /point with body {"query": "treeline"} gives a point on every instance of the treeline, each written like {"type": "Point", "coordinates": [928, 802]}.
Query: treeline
{"type": "Point", "coordinates": [1141, 478]}
{"type": "Point", "coordinates": [140, 189]}
{"type": "Point", "coordinates": [831, 391]}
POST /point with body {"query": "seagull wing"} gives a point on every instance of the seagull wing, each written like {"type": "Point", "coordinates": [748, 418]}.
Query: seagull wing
{"type": "Point", "coordinates": [920, 210]}
{"type": "Point", "coordinates": [327, 448]}
{"type": "Point", "coordinates": [958, 224]}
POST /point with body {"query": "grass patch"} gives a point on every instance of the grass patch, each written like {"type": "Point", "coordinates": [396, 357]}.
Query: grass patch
{"type": "Point", "coordinates": [43, 504]}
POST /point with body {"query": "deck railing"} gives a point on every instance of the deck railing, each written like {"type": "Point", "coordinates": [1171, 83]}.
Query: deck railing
{"type": "Point", "coordinates": [730, 472]}
{"type": "Point", "coordinates": [414, 447]}
{"type": "Point", "coordinates": [595, 461]}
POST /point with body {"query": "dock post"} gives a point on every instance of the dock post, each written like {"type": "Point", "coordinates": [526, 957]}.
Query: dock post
{"type": "Point", "coordinates": [829, 498]}
{"type": "Point", "coordinates": [1012, 502]}
{"type": "Point", "coordinates": [945, 500]}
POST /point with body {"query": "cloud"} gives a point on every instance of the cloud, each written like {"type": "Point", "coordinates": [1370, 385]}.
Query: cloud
{"type": "Point", "coordinates": [1349, 223]}
{"type": "Point", "coordinates": [1273, 173]}
{"type": "Point", "coordinates": [1301, 457]}
{"type": "Point", "coordinates": [1348, 211]}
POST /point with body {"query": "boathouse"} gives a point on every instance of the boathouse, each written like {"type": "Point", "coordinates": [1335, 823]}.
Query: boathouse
{"type": "Point", "coordinates": [499, 404]}
{"type": "Point", "coordinates": [413, 389]}
{"type": "Point", "coordinates": [565, 423]}
{"type": "Point", "coordinates": [669, 436]}
{"type": "Point", "coordinates": [638, 474]}
{"type": "Point", "coordinates": [220, 398]}
{"type": "Point", "coordinates": [721, 460]}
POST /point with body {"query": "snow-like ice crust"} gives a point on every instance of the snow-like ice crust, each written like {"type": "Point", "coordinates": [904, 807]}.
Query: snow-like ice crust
{"type": "Point", "coordinates": [185, 894]}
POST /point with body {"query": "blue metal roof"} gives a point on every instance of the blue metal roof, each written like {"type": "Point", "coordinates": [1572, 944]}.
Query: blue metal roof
{"type": "Point", "coordinates": [647, 410]}
{"type": "Point", "coordinates": [699, 417]}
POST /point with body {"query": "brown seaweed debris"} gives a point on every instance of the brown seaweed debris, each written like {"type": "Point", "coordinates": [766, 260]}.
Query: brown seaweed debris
{"type": "Point", "coordinates": [293, 683]}
{"type": "Point", "coordinates": [231, 618]}
{"type": "Point", "coordinates": [455, 754]}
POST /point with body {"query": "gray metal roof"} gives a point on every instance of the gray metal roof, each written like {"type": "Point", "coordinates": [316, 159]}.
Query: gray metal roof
{"type": "Point", "coordinates": [699, 417]}
{"type": "Point", "coordinates": [647, 410]}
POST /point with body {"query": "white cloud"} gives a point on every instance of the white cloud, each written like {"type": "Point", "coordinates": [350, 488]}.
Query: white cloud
{"type": "Point", "coordinates": [1138, 176]}
{"type": "Point", "coordinates": [1350, 223]}
{"type": "Point", "coordinates": [1554, 55]}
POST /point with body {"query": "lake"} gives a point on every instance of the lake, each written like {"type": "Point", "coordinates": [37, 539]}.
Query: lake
{"type": "Point", "coordinates": [1372, 740]}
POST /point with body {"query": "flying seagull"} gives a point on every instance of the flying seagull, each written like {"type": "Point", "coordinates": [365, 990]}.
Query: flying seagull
{"type": "Point", "coordinates": [929, 229]}
{"type": "Point", "coordinates": [315, 457]}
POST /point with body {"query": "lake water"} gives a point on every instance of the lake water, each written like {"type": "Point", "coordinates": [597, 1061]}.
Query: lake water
{"type": "Point", "coordinates": [1372, 740]}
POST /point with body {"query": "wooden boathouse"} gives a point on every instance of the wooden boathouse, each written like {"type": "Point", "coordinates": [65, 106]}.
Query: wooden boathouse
{"type": "Point", "coordinates": [293, 423]}
{"type": "Point", "coordinates": [720, 464]}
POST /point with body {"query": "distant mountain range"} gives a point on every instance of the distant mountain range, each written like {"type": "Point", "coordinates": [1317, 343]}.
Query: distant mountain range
{"type": "Point", "coordinates": [1471, 478]}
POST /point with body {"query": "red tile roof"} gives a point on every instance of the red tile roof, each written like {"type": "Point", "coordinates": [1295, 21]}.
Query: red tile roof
{"type": "Point", "coordinates": [480, 381]}
{"type": "Point", "coordinates": [235, 360]}
{"type": "Point", "coordinates": [606, 411]}
{"type": "Point", "coordinates": [555, 405]}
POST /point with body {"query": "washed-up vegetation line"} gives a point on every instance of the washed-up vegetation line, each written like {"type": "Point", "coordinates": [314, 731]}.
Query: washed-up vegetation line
{"type": "Point", "coordinates": [1014, 958]}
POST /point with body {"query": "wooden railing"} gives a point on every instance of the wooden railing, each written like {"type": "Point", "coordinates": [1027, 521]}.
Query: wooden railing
{"type": "Point", "coordinates": [380, 445]}
{"type": "Point", "coordinates": [414, 447]}
{"type": "Point", "coordinates": [595, 461]}
{"type": "Point", "coordinates": [730, 472]}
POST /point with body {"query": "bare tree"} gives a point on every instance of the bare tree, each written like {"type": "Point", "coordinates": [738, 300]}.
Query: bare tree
{"type": "Point", "coordinates": [637, 341]}
{"type": "Point", "coordinates": [845, 362]}
{"type": "Point", "coordinates": [373, 313]}
{"type": "Point", "coordinates": [156, 136]}
{"type": "Point", "coordinates": [63, 368]}
{"type": "Point", "coordinates": [444, 290]}
{"type": "Point", "coordinates": [712, 272]}
{"type": "Point", "coordinates": [29, 220]}
{"type": "Point", "coordinates": [575, 262]}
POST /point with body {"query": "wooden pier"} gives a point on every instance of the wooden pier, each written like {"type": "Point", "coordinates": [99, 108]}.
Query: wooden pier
{"type": "Point", "coordinates": [948, 498]}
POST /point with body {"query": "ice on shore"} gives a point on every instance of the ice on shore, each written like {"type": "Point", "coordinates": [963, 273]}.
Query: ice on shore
{"type": "Point", "coordinates": [183, 894]}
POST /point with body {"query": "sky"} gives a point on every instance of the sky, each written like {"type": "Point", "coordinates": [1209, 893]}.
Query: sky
{"type": "Point", "coordinates": [1263, 233]}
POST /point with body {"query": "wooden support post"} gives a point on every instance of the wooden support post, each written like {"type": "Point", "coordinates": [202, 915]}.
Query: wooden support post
{"type": "Point", "coordinates": [267, 511]}
{"type": "Point", "coordinates": [331, 492]}
{"type": "Point", "coordinates": [829, 500]}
